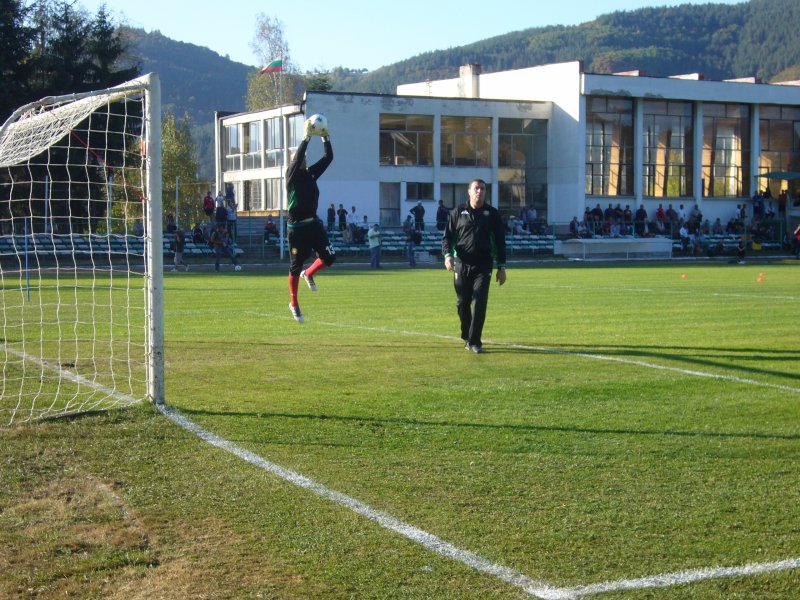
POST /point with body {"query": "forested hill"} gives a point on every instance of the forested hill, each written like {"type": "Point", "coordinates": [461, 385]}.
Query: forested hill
{"type": "Point", "coordinates": [194, 80]}
{"type": "Point", "coordinates": [757, 38]}
{"type": "Point", "coordinates": [723, 41]}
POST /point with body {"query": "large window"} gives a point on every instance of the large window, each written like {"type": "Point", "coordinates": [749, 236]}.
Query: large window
{"type": "Point", "coordinates": [232, 143]}
{"type": "Point", "coordinates": [522, 173]}
{"type": "Point", "coordinates": [252, 195]}
{"type": "Point", "coordinates": [272, 201]}
{"type": "Point", "coordinates": [726, 150]}
{"type": "Point", "coordinates": [406, 139]}
{"type": "Point", "coordinates": [296, 130]}
{"type": "Point", "coordinates": [273, 142]}
{"type": "Point", "coordinates": [609, 146]}
{"type": "Point", "coordinates": [456, 194]}
{"type": "Point", "coordinates": [466, 141]}
{"type": "Point", "coordinates": [667, 149]}
{"type": "Point", "coordinates": [252, 145]}
{"type": "Point", "coordinates": [419, 191]}
{"type": "Point", "coordinates": [780, 139]}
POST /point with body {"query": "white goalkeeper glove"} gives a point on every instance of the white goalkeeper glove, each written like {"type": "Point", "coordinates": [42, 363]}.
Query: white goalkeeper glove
{"type": "Point", "coordinates": [307, 129]}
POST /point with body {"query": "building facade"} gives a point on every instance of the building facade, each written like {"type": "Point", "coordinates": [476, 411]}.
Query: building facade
{"type": "Point", "coordinates": [551, 137]}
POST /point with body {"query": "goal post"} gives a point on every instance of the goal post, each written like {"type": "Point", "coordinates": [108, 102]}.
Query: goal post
{"type": "Point", "coordinates": [81, 253]}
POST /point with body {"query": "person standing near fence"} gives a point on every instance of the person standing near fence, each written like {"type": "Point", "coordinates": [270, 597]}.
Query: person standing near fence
{"type": "Point", "coordinates": [473, 240]}
{"type": "Point", "coordinates": [374, 238]}
{"type": "Point", "coordinates": [179, 244]}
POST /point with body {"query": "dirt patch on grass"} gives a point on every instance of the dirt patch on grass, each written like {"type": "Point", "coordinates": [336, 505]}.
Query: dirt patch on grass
{"type": "Point", "coordinates": [76, 537]}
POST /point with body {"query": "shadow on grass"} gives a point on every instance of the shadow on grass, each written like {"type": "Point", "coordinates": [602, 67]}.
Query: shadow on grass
{"type": "Point", "coordinates": [690, 355]}
{"type": "Point", "coordinates": [372, 421]}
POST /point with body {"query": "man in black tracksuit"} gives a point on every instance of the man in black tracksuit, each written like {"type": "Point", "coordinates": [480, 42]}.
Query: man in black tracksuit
{"type": "Point", "coordinates": [474, 238]}
{"type": "Point", "coordinates": [306, 233]}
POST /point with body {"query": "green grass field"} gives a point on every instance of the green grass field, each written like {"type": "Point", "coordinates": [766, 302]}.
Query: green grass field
{"type": "Point", "coordinates": [625, 422]}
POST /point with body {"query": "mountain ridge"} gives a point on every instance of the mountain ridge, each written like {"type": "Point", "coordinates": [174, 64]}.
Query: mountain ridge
{"type": "Point", "coordinates": [723, 41]}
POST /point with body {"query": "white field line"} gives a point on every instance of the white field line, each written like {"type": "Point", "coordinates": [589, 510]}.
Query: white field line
{"type": "Point", "coordinates": [543, 350]}
{"type": "Point", "coordinates": [530, 586]}
{"type": "Point", "coordinates": [435, 544]}
{"type": "Point", "coordinates": [385, 520]}
{"type": "Point", "coordinates": [679, 578]}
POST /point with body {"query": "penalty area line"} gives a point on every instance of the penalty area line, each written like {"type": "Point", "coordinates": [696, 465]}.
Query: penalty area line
{"type": "Point", "coordinates": [678, 578]}
{"type": "Point", "coordinates": [385, 520]}
{"type": "Point", "coordinates": [435, 544]}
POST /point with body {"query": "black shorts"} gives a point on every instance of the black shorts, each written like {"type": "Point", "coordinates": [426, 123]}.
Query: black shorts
{"type": "Point", "coordinates": [305, 239]}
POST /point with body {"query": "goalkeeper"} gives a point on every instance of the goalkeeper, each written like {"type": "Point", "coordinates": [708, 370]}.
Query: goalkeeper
{"type": "Point", "coordinates": [306, 233]}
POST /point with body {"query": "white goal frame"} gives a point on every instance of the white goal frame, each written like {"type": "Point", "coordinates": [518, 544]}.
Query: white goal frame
{"type": "Point", "coordinates": [81, 284]}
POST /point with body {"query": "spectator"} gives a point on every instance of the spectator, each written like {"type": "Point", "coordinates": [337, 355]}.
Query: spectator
{"type": "Point", "coordinates": [419, 216]}
{"type": "Point", "coordinates": [342, 214]}
{"type": "Point", "coordinates": [533, 216]}
{"type": "Point", "coordinates": [171, 226]}
{"type": "Point", "coordinates": [208, 205]}
{"type": "Point", "coordinates": [138, 228]}
{"type": "Point", "coordinates": [717, 228]}
{"type": "Point", "coordinates": [627, 220]}
{"type": "Point", "coordinates": [178, 245]}
{"type": "Point", "coordinates": [352, 222]}
{"type": "Point", "coordinates": [221, 212]}
{"type": "Point", "coordinates": [331, 218]}
{"type": "Point", "coordinates": [441, 216]}
{"type": "Point", "coordinates": [270, 229]}
{"type": "Point", "coordinates": [374, 237]}
{"type": "Point", "coordinates": [640, 221]}
{"type": "Point", "coordinates": [223, 245]}
{"type": "Point", "coordinates": [197, 235]}
{"type": "Point", "coordinates": [741, 251]}
{"type": "Point", "coordinates": [683, 234]}
{"type": "Point", "coordinates": [672, 216]}
{"type": "Point", "coordinates": [574, 227]}
{"type": "Point", "coordinates": [361, 231]}
{"type": "Point", "coordinates": [584, 230]}
{"type": "Point", "coordinates": [231, 211]}
{"type": "Point", "coordinates": [411, 233]}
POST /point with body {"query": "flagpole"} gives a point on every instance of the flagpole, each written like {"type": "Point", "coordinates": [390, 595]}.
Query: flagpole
{"type": "Point", "coordinates": [285, 154]}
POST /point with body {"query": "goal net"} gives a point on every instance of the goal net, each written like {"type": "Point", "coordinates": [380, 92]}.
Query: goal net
{"type": "Point", "coordinates": [81, 253]}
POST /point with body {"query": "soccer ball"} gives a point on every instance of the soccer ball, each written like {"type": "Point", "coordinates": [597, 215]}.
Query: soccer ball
{"type": "Point", "coordinates": [237, 268]}
{"type": "Point", "coordinates": [317, 125]}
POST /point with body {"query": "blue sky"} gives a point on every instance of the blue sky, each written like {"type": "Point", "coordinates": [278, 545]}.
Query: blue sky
{"type": "Point", "coordinates": [356, 33]}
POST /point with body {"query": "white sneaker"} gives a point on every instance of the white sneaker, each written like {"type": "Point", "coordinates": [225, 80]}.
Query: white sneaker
{"type": "Point", "coordinates": [310, 281]}
{"type": "Point", "coordinates": [298, 316]}
{"type": "Point", "coordinates": [173, 270]}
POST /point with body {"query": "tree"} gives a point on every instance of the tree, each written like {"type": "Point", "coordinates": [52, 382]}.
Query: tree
{"type": "Point", "coordinates": [318, 82]}
{"type": "Point", "coordinates": [73, 52]}
{"type": "Point", "coordinates": [16, 44]}
{"type": "Point", "coordinates": [272, 89]}
{"type": "Point", "coordinates": [107, 49]}
{"type": "Point", "coordinates": [179, 161]}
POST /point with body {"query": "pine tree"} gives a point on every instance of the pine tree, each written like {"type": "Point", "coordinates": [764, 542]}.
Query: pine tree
{"type": "Point", "coordinates": [16, 44]}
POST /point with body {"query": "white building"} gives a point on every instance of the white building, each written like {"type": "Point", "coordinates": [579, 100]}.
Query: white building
{"type": "Point", "coordinates": [550, 136]}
